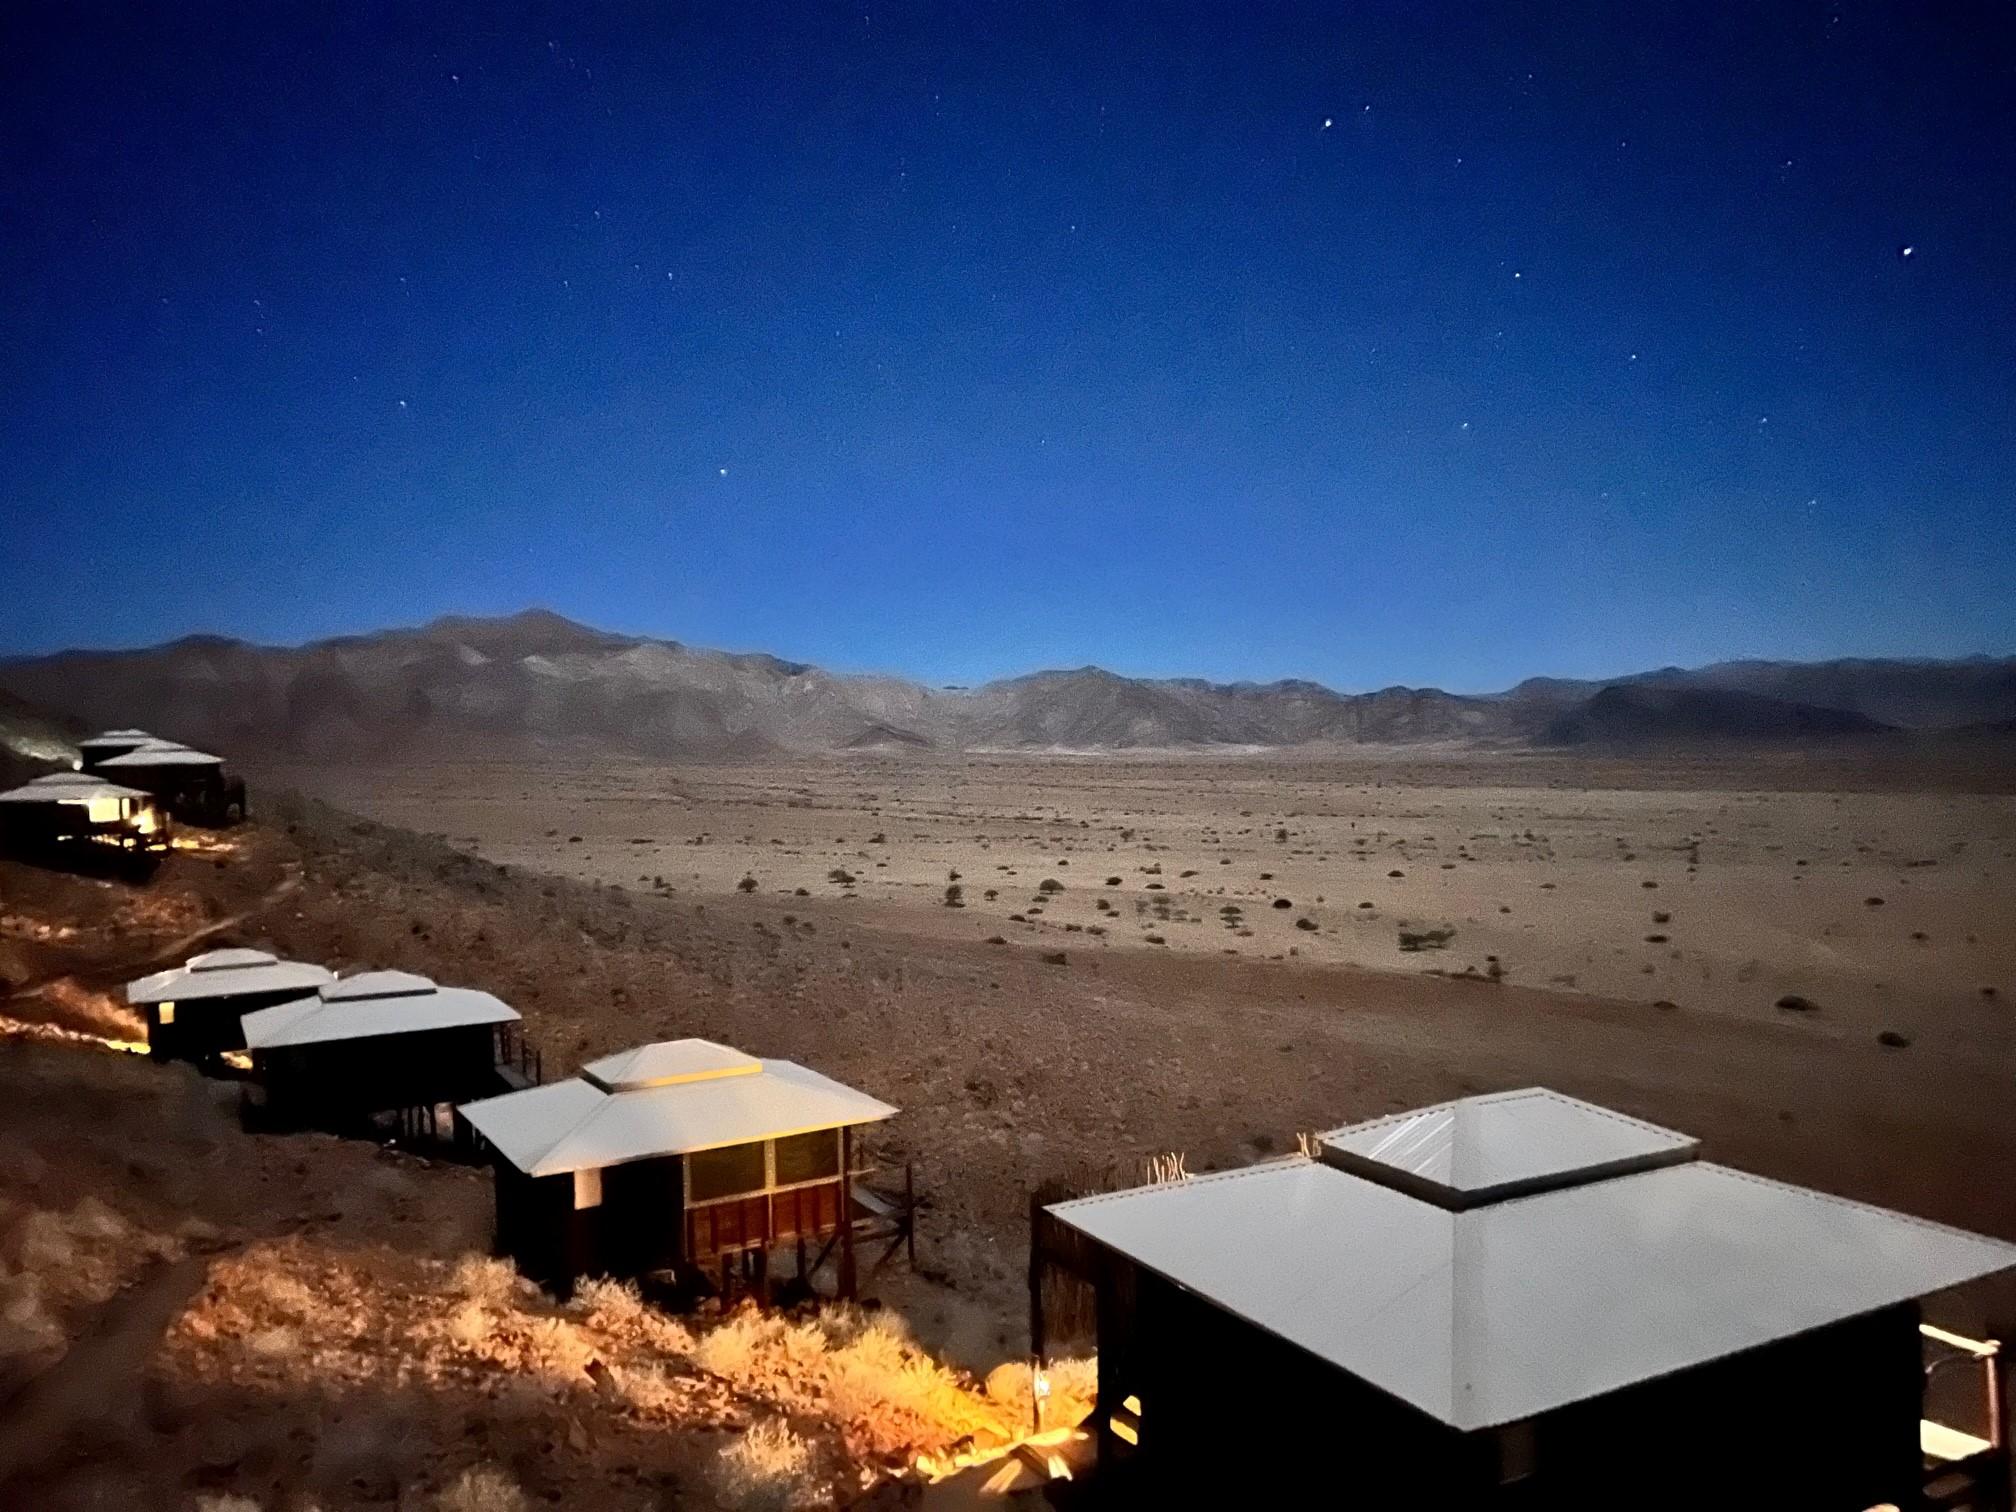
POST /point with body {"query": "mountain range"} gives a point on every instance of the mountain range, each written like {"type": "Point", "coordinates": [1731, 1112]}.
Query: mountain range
{"type": "Point", "coordinates": [473, 686]}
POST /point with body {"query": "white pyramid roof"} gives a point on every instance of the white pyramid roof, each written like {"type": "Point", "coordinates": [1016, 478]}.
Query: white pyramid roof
{"type": "Point", "coordinates": [226, 974]}
{"type": "Point", "coordinates": [371, 1004]}
{"type": "Point", "coordinates": [68, 787]}
{"type": "Point", "coordinates": [672, 1098]}
{"type": "Point", "coordinates": [111, 737]}
{"type": "Point", "coordinates": [162, 753]}
{"type": "Point", "coordinates": [1508, 1309]}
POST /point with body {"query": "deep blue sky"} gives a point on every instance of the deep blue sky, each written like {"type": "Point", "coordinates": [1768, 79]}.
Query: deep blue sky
{"type": "Point", "coordinates": [1370, 343]}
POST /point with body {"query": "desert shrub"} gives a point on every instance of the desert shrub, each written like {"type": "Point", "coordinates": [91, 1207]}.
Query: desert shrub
{"type": "Point", "coordinates": [841, 875]}
{"type": "Point", "coordinates": [955, 896]}
{"type": "Point", "coordinates": [485, 1279]}
{"type": "Point", "coordinates": [1425, 939]}
{"type": "Point", "coordinates": [767, 1469]}
{"type": "Point", "coordinates": [483, 1488]}
{"type": "Point", "coordinates": [1050, 885]}
{"type": "Point", "coordinates": [1309, 924]}
{"type": "Point", "coordinates": [1792, 1002]}
{"type": "Point", "coordinates": [747, 885]}
{"type": "Point", "coordinates": [469, 1325]}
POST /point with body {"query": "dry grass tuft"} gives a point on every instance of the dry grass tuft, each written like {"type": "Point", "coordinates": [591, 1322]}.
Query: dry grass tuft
{"type": "Point", "coordinates": [483, 1488]}
{"type": "Point", "coordinates": [767, 1469]}
{"type": "Point", "coordinates": [482, 1278]}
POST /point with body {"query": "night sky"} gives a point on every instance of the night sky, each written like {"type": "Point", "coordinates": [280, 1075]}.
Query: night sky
{"type": "Point", "coordinates": [1372, 343]}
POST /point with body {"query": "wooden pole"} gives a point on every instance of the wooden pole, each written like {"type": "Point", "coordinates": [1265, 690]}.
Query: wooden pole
{"type": "Point", "coordinates": [848, 1279]}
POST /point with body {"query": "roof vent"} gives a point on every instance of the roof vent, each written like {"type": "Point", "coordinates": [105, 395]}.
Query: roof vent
{"type": "Point", "coordinates": [668, 1063]}
{"type": "Point", "coordinates": [377, 984]}
{"type": "Point", "coordinates": [1481, 1150]}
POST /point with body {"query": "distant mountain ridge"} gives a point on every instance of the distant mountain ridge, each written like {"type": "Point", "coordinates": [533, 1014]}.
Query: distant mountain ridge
{"type": "Point", "coordinates": [474, 685]}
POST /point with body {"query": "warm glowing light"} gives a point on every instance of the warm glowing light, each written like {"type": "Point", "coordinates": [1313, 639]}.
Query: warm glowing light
{"type": "Point", "coordinates": [1123, 1430]}
{"type": "Point", "coordinates": [1057, 1468]}
{"type": "Point", "coordinates": [237, 1060]}
{"type": "Point", "coordinates": [167, 1013]}
{"type": "Point", "coordinates": [1132, 1404]}
{"type": "Point", "coordinates": [1937, 1441]}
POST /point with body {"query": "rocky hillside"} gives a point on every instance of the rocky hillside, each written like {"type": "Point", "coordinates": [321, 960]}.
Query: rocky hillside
{"type": "Point", "coordinates": [535, 680]}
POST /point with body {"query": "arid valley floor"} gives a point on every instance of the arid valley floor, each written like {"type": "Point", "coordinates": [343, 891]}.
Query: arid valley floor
{"type": "Point", "coordinates": [1805, 960]}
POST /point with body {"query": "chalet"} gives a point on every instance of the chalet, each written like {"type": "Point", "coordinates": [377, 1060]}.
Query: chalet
{"type": "Point", "coordinates": [684, 1156]}
{"type": "Point", "coordinates": [67, 809]}
{"type": "Point", "coordinates": [193, 1011]}
{"type": "Point", "coordinates": [381, 1042]}
{"type": "Point", "coordinates": [192, 785]}
{"type": "Point", "coordinates": [1514, 1301]}
{"type": "Point", "coordinates": [109, 743]}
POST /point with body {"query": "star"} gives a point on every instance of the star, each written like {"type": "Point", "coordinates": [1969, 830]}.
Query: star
{"type": "Point", "coordinates": [1328, 123]}
{"type": "Point", "coordinates": [1906, 251]}
{"type": "Point", "coordinates": [724, 472]}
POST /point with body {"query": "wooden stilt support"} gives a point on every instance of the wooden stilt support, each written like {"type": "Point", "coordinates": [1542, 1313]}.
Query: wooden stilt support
{"type": "Point", "coordinates": [849, 1281]}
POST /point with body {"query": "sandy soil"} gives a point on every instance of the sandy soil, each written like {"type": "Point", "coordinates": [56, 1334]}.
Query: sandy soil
{"type": "Point", "coordinates": [1718, 886]}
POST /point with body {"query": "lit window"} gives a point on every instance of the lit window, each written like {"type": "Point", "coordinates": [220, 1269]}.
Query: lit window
{"type": "Point", "coordinates": [106, 810]}
{"type": "Point", "coordinates": [587, 1189]}
{"type": "Point", "coordinates": [167, 1013]}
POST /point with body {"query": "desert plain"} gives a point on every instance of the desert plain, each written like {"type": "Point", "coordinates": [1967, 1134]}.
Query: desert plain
{"type": "Point", "coordinates": [1804, 956]}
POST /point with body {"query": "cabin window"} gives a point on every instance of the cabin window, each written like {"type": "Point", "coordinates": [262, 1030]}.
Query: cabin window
{"type": "Point", "coordinates": [727, 1172]}
{"type": "Point", "coordinates": [105, 810]}
{"type": "Point", "coordinates": [587, 1189]}
{"type": "Point", "coordinates": [167, 1013]}
{"type": "Point", "coordinates": [808, 1157]}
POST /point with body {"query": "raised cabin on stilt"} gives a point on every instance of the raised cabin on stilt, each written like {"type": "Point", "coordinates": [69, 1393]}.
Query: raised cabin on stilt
{"type": "Point", "coordinates": [689, 1157]}
{"type": "Point", "coordinates": [192, 785]}
{"type": "Point", "coordinates": [194, 1011]}
{"type": "Point", "coordinates": [376, 1044]}
{"type": "Point", "coordinates": [78, 813]}
{"type": "Point", "coordinates": [1514, 1302]}
{"type": "Point", "coordinates": [102, 747]}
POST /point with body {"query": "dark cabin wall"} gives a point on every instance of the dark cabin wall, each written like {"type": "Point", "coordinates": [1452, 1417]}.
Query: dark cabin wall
{"type": "Point", "coordinates": [1825, 1422]}
{"type": "Point", "coordinates": [540, 1231]}
{"type": "Point", "coordinates": [205, 1026]}
{"type": "Point", "coordinates": [342, 1079]}
{"type": "Point", "coordinates": [1232, 1413]}
{"type": "Point", "coordinates": [674, 1211]}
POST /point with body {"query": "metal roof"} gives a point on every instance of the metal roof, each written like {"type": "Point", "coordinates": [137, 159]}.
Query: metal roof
{"type": "Point", "coordinates": [1482, 1149]}
{"type": "Point", "coordinates": [227, 974]}
{"type": "Point", "coordinates": [369, 1005]}
{"type": "Point", "coordinates": [378, 984]}
{"type": "Point", "coordinates": [667, 1063]}
{"type": "Point", "coordinates": [1507, 1311]}
{"type": "Point", "coordinates": [157, 753]}
{"type": "Point", "coordinates": [696, 1095]}
{"type": "Point", "coordinates": [118, 735]}
{"type": "Point", "coordinates": [68, 787]}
